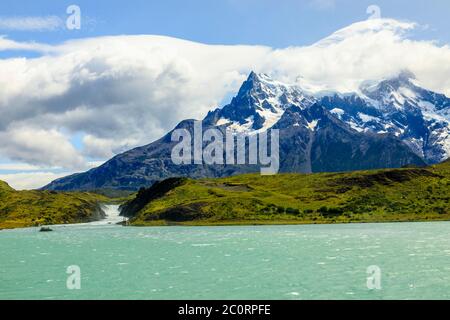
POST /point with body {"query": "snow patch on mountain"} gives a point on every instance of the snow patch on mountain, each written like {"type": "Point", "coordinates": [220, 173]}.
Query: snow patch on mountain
{"type": "Point", "coordinates": [261, 101]}
{"type": "Point", "coordinates": [366, 118]}
{"type": "Point", "coordinates": [338, 112]}
{"type": "Point", "coordinates": [396, 106]}
{"type": "Point", "coordinates": [312, 125]}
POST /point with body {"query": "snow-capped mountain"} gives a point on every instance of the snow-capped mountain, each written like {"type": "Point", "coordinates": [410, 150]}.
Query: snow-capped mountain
{"type": "Point", "coordinates": [399, 106]}
{"type": "Point", "coordinates": [317, 134]}
{"type": "Point", "coordinates": [260, 104]}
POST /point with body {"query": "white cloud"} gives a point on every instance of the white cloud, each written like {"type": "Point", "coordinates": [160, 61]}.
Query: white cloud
{"type": "Point", "coordinates": [17, 167]}
{"type": "Point", "coordinates": [30, 180]}
{"type": "Point", "coordinates": [367, 50]}
{"type": "Point", "coordinates": [124, 91]}
{"type": "Point", "coordinates": [48, 23]}
{"type": "Point", "coordinates": [39, 147]}
{"type": "Point", "coordinates": [31, 177]}
{"type": "Point", "coordinates": [94, 147]}
{"type": "Point", "coordinates": [8, 44]}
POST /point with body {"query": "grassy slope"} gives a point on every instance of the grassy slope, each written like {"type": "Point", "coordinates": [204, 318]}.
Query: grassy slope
{"type": "Point", "coordinates": [408, 194]}
{"type": "Point", "coordinates": [30, 208]}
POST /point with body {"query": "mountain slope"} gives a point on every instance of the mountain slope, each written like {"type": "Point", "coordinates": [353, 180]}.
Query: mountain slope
{"type": "Point", "coordinates": [312, 139]}
{"type": "Point", "coordinates": [259, 104]}
{"type": "Point", "coordinates": [408, 194]}
{"type": "Point", "coordinates": [329, 144]}
{"type": "Point", "coordinates": [31, 208]}
{"type": "Point", "coordinates": [398, 106]}
{"type": "Point", "coordinates": [5, 188]}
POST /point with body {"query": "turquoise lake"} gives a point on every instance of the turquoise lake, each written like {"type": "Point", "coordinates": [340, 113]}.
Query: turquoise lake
{"type": "Point", "coordinates": [248, 262]}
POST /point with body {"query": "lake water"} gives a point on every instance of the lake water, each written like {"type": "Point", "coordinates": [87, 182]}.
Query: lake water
{"type": "Point", "coordinates": [248, 262]}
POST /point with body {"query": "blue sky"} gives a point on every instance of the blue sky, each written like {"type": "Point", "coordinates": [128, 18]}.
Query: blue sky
{"type": "Point", "coordinates": [265, 22]}
{"type": "Point", "coordinates": [94, 124]}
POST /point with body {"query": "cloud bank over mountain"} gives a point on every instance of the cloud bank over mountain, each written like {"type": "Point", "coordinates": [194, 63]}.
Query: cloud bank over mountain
{"type": "Point", "coordinates": [119, 92]}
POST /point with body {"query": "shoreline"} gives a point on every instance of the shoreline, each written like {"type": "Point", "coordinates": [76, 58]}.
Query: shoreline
{"type": "Point", "coordinates": [274, 223]}
{"type": "Point", "coordinates": [104, 218]}
{"type": "Point", "coordinates": [239, 223]}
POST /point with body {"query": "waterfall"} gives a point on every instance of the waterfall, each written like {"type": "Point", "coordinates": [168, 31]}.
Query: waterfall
{"type": "Point", "coordinates": [112, 212]}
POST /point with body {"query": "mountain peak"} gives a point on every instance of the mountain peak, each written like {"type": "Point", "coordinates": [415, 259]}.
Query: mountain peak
{"type": "Point", "coordinates": [252, 76]}
{"type": "Point", "coordinates": [403, 78]}
{"type": "Point", "coordinates": [259, 77]}
{"type": "Point", "coordinates": [387, 87]}
{"type": "Point", "coordinates": [259, 104]}
{"type": "Point", "coordinates": [406, 75]}
{"type": "Point", "coordinates": [259, 86]}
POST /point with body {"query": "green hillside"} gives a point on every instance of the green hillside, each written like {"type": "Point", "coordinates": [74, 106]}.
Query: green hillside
{"type": "Point", "coordinates": [31, 208]}
{"type": "Point", "coordinates": [408, 194]}
{"type": "Point", "coordinates": [4, 187]}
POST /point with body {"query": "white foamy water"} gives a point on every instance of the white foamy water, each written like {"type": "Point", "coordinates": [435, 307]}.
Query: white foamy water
{"type": "Point", "coordinates": [112, 217]}
{"type": "Point", "coordinates": [112, 212]}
